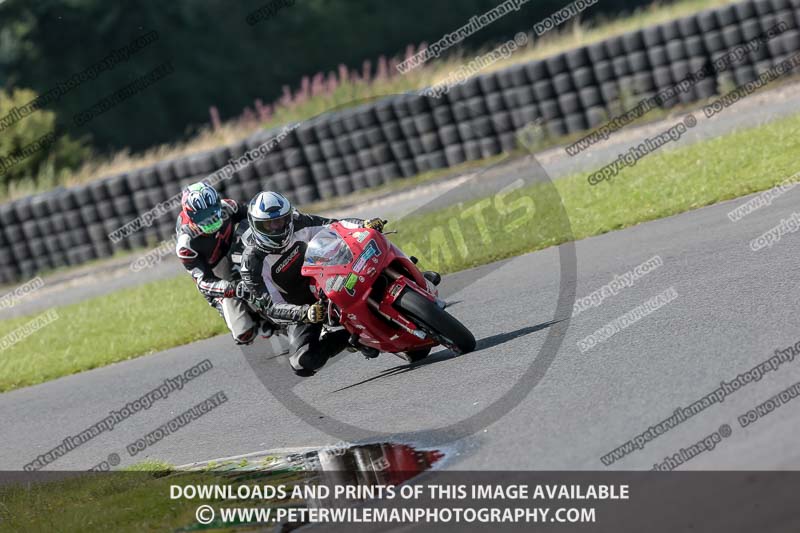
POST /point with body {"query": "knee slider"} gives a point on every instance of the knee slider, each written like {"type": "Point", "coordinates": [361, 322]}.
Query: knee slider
{"type": "Point", "coordinates": [303, 360]}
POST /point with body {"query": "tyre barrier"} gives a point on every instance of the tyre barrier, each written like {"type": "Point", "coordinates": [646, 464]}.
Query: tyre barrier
{"type": "Point", "coordinates": [351, 149]}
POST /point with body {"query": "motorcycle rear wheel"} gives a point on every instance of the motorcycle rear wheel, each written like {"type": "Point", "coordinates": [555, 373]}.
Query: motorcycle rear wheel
{"type": "Point", "coordinates": [436, 320]}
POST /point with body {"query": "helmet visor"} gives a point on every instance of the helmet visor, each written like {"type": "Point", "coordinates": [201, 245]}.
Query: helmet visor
{"type": "Point", "coordinates": [274, 228]}
{"type": "Point", "coordinates": [208, 220]}
{"type": "Point", "coordinates": [211, 224]}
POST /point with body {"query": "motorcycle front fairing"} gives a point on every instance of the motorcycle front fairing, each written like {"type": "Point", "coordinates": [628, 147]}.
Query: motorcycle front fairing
{"type": "Point", "coordinates": [362, 273]}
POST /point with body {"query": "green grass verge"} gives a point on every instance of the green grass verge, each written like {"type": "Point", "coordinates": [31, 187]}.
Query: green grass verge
{"type": "Point", "coordinates": [169, 313]}
{"type": "Point", "coordinates": [662, 184]}
{"type": "Point", "coordinates": [133, 501]}
{"type": "Point", "coordinates": [107, 329]}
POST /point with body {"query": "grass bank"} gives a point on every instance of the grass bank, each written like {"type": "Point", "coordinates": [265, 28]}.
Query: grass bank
{"type": "Point", "coordinates": [104, 330]}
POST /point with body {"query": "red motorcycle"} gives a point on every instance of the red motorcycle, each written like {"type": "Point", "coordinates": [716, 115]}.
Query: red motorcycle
{"type": "Point", "coordinates": [379, 295]}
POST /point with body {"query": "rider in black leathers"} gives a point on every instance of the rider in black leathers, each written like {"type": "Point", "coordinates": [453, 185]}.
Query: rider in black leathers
{"type": "Point", "coordinates": [274, 249]}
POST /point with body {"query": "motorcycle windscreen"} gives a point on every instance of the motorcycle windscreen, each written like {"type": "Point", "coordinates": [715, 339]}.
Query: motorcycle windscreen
{"type": "Point", "coordinates": [327, 248]}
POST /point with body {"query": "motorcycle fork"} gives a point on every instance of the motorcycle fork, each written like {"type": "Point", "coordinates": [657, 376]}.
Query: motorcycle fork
{"type": "Point", "coordinates": [399, 320]}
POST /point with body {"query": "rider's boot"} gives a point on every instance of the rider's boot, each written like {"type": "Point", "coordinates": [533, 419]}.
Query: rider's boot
{"type": "Point", "coordinates": [430, 275]}
{"type": "Point", "coordinates": [246, 338]}
{"type": "Point", "coordinates": [433, 277]}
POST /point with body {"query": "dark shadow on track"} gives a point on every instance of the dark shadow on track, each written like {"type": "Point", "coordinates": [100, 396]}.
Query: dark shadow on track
{"type": "Point", "coordinates": [446, 355]}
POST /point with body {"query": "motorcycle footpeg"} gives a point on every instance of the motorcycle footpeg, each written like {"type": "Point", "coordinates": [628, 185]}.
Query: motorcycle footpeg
{"type": "Point", "coordinates": [433, 277]}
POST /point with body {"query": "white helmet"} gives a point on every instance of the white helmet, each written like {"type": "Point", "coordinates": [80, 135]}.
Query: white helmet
{"type": "Point", "coordinates": [270, 218]}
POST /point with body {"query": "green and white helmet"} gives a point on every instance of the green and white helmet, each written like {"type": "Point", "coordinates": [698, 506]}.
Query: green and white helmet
{"type": "Point", "coordinates": [203, 206]}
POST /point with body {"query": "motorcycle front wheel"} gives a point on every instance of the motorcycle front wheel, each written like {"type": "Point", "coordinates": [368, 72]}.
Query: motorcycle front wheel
{"type": "Point", "coordinates": [436, 321]}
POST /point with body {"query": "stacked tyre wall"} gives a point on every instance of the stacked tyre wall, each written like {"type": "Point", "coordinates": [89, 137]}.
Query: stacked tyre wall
{"type": "Point", "coordinates": [401, 136]}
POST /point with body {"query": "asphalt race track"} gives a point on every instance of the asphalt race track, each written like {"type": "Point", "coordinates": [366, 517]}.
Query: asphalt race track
{"type": "Point", "coordinates": [734, 308]}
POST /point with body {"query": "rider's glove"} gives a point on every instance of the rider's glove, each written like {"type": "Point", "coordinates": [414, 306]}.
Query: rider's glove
{"type": "Point", "coordinates": [375, 223]}
{"type": "Point", "coordinates": [315, 313]}
{"type": "Point", "coordinates": [260, 303]}
{"type": "Point", "coordinates": [243, 292]}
